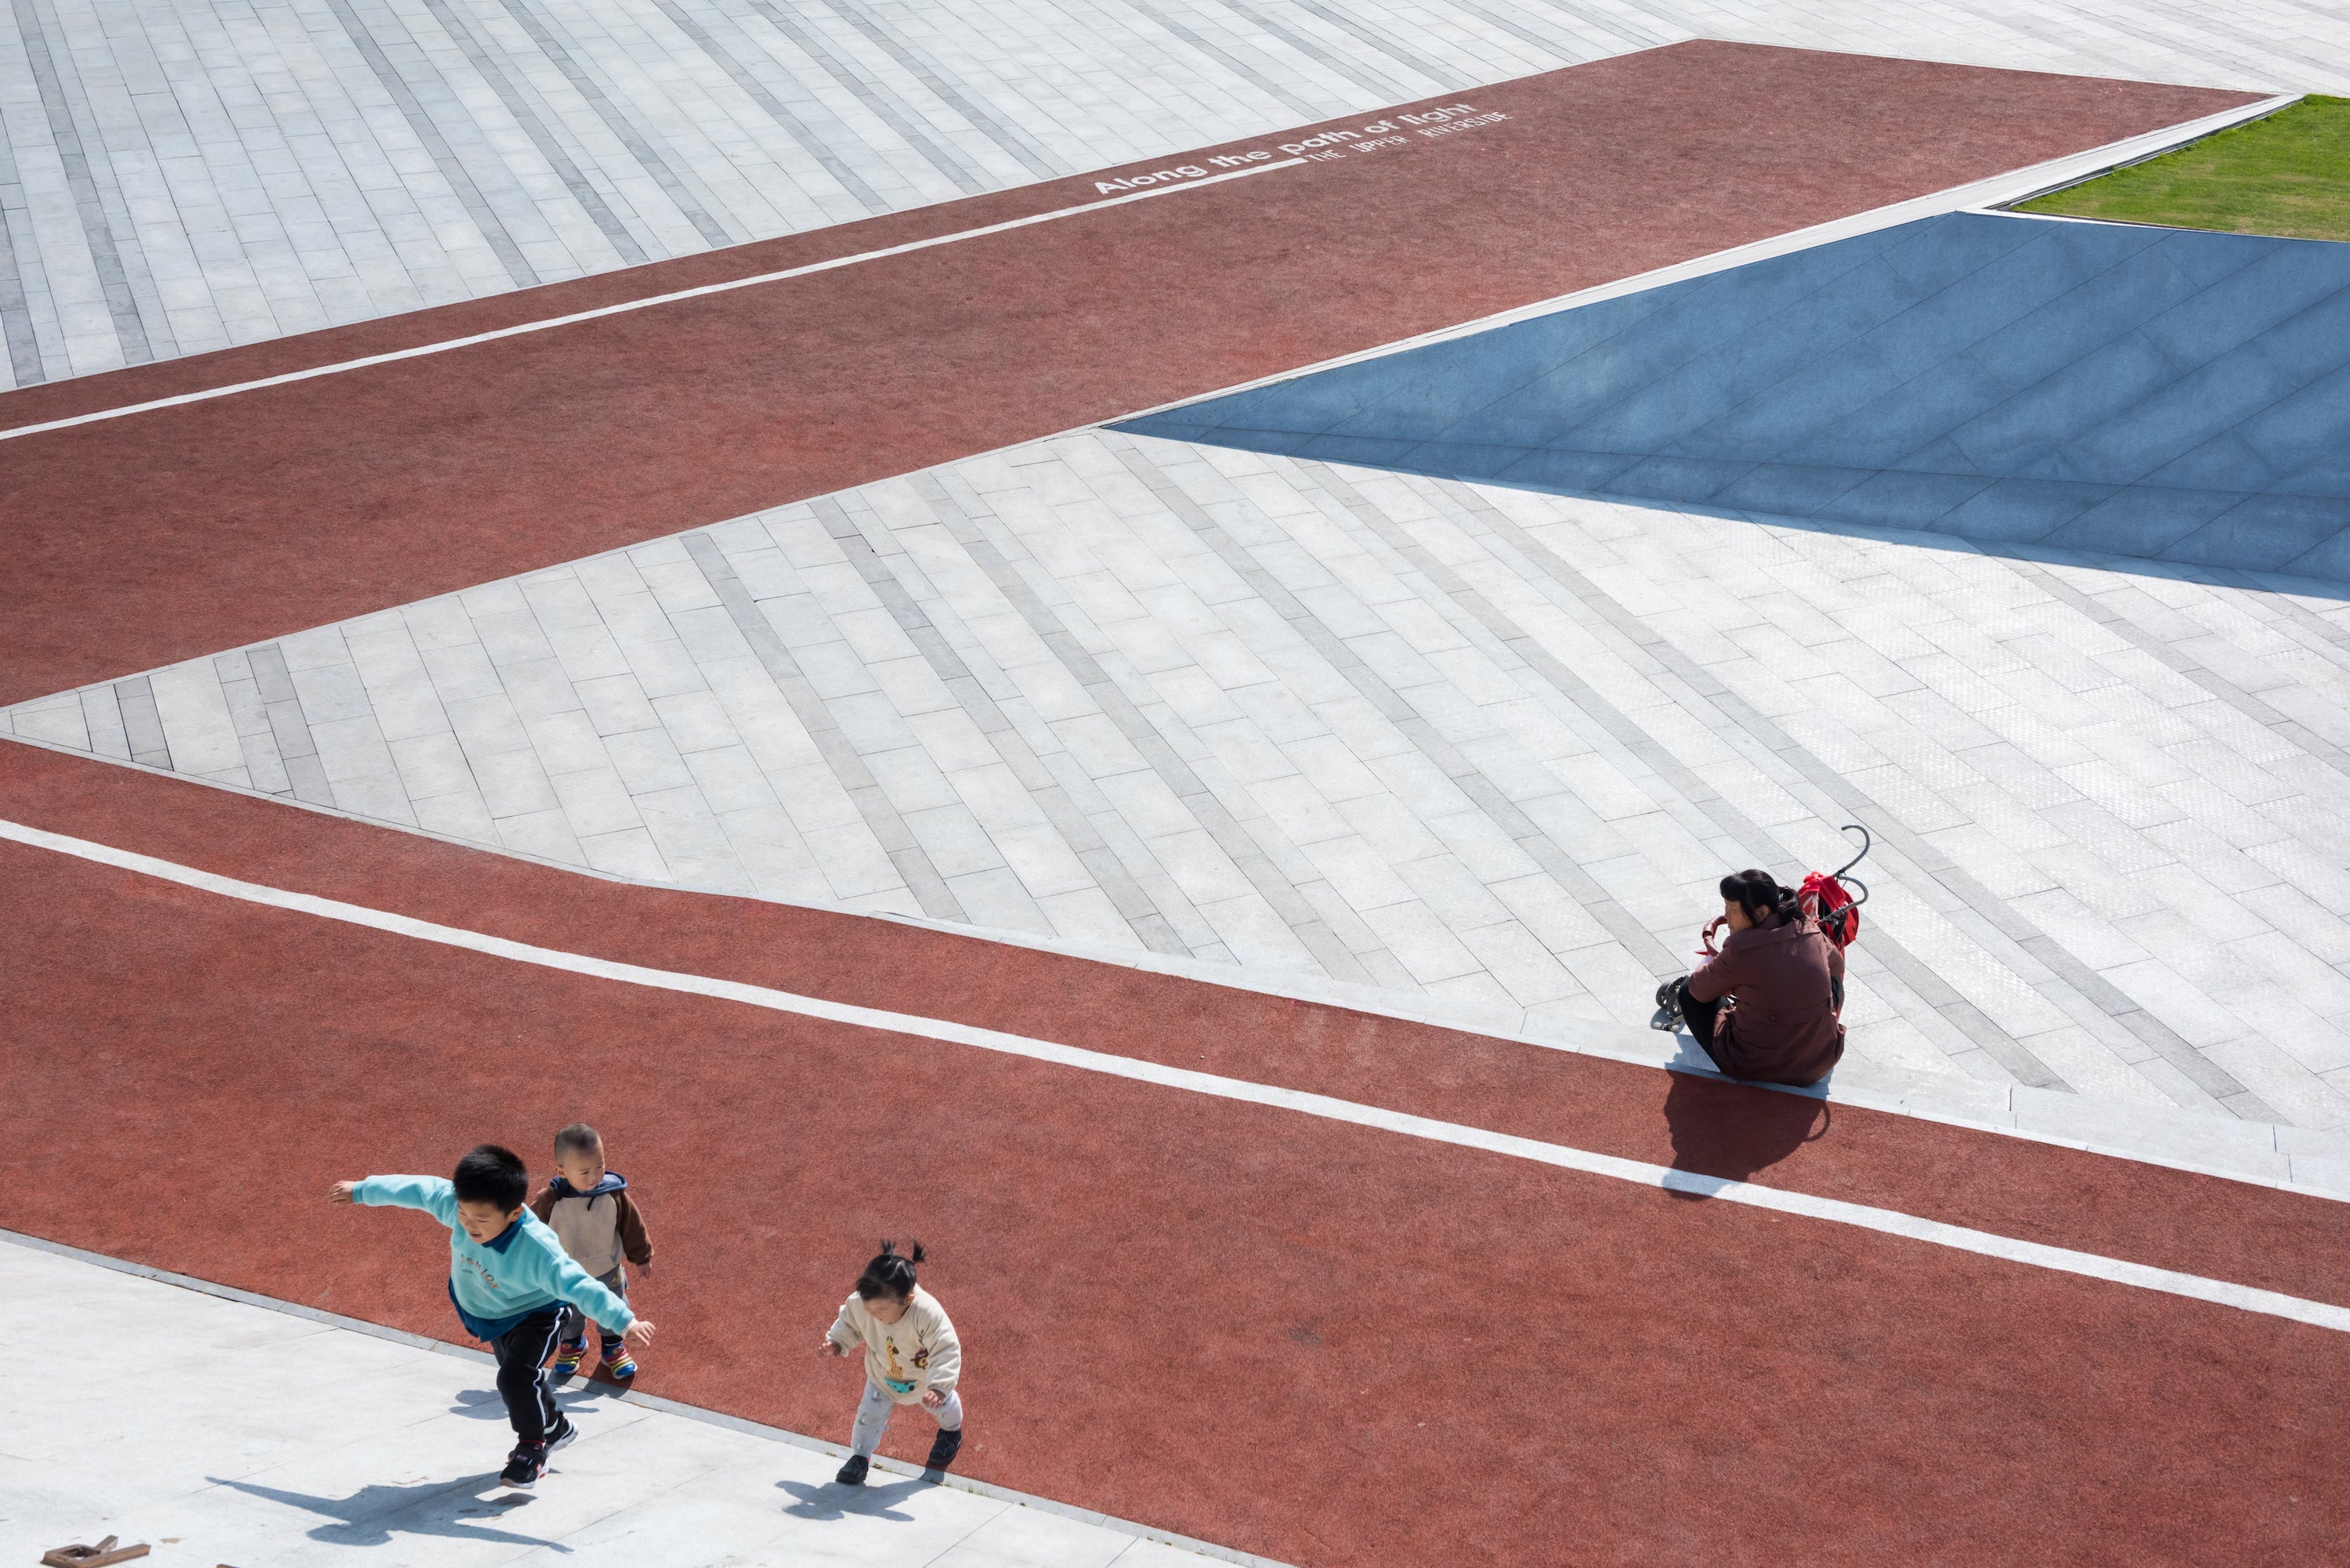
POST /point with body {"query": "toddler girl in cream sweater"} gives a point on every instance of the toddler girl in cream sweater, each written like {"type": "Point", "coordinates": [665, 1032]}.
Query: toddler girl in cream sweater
{"type": "Point", "coordinates": [911, 1358]}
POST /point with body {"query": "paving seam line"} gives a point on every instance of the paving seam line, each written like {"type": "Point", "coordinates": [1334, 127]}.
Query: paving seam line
{"type": "Point", "coordinates": [633, 1396]}
{"type": "Point", "coordinates": [1886, 1221]}
{"type": "Point", "coordinates": [627, 305]}
{"type": "Point", "coordinates": [1435, 1013]}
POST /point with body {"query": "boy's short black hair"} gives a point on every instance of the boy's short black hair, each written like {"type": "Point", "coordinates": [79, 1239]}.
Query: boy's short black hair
{"type": "Point", "coordinates": [493, 1175]}
{"type": "Point", "coordinates": [578, 1139]}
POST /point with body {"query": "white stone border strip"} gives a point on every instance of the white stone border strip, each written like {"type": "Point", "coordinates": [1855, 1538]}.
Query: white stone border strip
{"type": "Point", "coordinates": [1886, 1221]}
{"type": "Point", "coordinates": [649, 1401]}
{"type": "Point", "coordinates": [625, 307]}
{"type": "Point", "coordinates": [2004, 205]}
{"type": "Point", "coordinates": [2016, 186]}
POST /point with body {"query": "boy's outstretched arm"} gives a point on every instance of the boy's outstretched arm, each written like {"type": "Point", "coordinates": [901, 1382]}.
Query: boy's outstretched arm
{"type": "Point", "coordinates": [432, 1194]}
{"type": "Point", "coordinates": [564, 1278]}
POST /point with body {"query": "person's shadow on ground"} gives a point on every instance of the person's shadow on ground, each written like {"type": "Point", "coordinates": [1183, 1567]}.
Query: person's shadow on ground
{"type": "Point", "coordinates": [1730, 1131]}
{"type": "Point", "coordinates": [577, 1397]}
{"type": "Point", "coordinates": [833, 1500]}
{"type": "Point", "coordinates": [373, 1514]}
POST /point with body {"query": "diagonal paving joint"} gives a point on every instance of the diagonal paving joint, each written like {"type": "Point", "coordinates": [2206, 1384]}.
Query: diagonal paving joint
{"type": "Point", "coordinates": [1905, 966]}
{"type": "Point", "coordinates": [897, 840]}
{"type": "Point", "coordinates": [1464, 773]}
{"type": "Point", "coordinates": [2038, 959]}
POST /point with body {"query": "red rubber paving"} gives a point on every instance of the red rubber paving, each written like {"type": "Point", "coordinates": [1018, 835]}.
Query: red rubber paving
{"type": "Point", "coordinates": [1322, 1343]}
{"type": "Point", "coordinates": [222, 522]}
{"type": "Point", "coordinates": [2278, 1241]}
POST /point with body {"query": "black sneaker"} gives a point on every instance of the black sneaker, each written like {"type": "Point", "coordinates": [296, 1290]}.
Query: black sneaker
{"type": "Point", "coordinates": [853, 1472]}
{"type": "Point", "coordinates": [525, 1465]}
{"type": "Point", "coordinates": [943, 1448]}
{"type": "Point", "coordinates": [528, 1461]}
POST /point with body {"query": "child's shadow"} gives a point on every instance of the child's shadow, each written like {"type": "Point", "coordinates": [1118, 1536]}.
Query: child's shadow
{"type": "Point", "coordinates": [479, 1405]}
{"type": "Point", "coordinates": [488, 1405]}
{"type": "Point", "coordinates": [833, 1500]}
{"type": "Point", "coordinates": [372, 1515]}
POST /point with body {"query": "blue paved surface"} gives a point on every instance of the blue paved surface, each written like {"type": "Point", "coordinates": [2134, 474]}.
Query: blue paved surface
{"type": "Point", "coordinates": [2149, 393]}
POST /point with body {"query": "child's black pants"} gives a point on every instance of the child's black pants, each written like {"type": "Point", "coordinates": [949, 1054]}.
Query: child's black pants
{"type": "Point", "coordinates": [521, 1350]}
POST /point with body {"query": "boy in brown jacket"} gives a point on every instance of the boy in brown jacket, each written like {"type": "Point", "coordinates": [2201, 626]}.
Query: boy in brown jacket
{"type": "Point", "coordinates": [590, 1212]}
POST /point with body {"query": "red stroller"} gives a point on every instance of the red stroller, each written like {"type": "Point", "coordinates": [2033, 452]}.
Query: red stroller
{"type": "Point", "coordinates": [1824, 898]}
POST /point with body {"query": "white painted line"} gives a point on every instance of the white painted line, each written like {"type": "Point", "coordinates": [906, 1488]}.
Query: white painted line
{"type": "Point", "coordinates": [550, 323]}
{"type": "Point", "coordinates": [1888, 1222]}
{"type": "Point", "coordinates": [2015, 186]}
{"type": "Point", "coordinates": [953, 1481]}
{"type": "Point", "coordinates": [1956, 1101]}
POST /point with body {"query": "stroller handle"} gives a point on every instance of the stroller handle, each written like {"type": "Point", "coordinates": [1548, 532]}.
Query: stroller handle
{"type": "Point", "coordinates": [1867, 843]}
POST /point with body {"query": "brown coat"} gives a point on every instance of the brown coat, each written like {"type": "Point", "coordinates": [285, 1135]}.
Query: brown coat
{"type": "Point", "coordinates": [596, 1229]}
{"type": "Point", "coordinates": [1782, 1027]}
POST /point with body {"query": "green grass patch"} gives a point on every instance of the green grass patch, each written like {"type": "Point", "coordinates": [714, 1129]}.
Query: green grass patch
{"type": "Point", "coordinates": [2287, 175]}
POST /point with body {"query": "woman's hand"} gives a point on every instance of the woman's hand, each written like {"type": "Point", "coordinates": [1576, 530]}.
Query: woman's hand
{"type": "Point", "coordinates": [340, 1192]}
{"type": "Point", "coordinates": [1706, 937]}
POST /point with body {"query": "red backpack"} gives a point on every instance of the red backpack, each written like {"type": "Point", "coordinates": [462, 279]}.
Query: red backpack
{"type": "Point", "coordinates": [1823, 899]}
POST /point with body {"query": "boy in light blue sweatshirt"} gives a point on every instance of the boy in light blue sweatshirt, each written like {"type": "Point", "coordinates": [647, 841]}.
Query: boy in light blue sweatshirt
{"type": "Point", "coordinates": [509, 1279]}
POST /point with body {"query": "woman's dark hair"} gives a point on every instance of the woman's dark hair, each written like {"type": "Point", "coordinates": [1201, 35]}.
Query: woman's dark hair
{"type": "Point", "coordinates": [493, 1175]}
{"type": "Point", "coordinates": [1759, 894]}
{"type": "Point", "coordinates": [888, 1274]}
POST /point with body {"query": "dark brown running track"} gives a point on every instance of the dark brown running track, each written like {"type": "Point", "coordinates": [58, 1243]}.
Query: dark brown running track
{"type": "Point", "coordinates": [178, 533]}
{"type": "Point", "coordinates": [1322, 1343]}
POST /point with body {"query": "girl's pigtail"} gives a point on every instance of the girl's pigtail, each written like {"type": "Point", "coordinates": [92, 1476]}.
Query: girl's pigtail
{"type": "Point", "coordinates": [890, 1273]}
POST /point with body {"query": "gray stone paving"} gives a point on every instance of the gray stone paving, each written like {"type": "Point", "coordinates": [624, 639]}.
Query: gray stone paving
{"type": "Point", "coordinates": [180, 176]}
{"type": "Point", "coordinates": [1485, 748]}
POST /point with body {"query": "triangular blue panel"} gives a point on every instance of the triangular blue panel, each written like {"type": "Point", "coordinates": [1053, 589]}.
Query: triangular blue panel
{"type": "Point", "coordinates": [2164, 393]}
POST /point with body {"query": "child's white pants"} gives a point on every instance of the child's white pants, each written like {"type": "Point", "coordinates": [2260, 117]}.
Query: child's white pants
{"type": "Point", "coordinates": [873, 1418]}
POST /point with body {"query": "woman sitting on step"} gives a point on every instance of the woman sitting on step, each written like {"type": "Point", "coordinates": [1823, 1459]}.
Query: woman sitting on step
{"type": "Point", "coordinates": [1768, 1007]}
